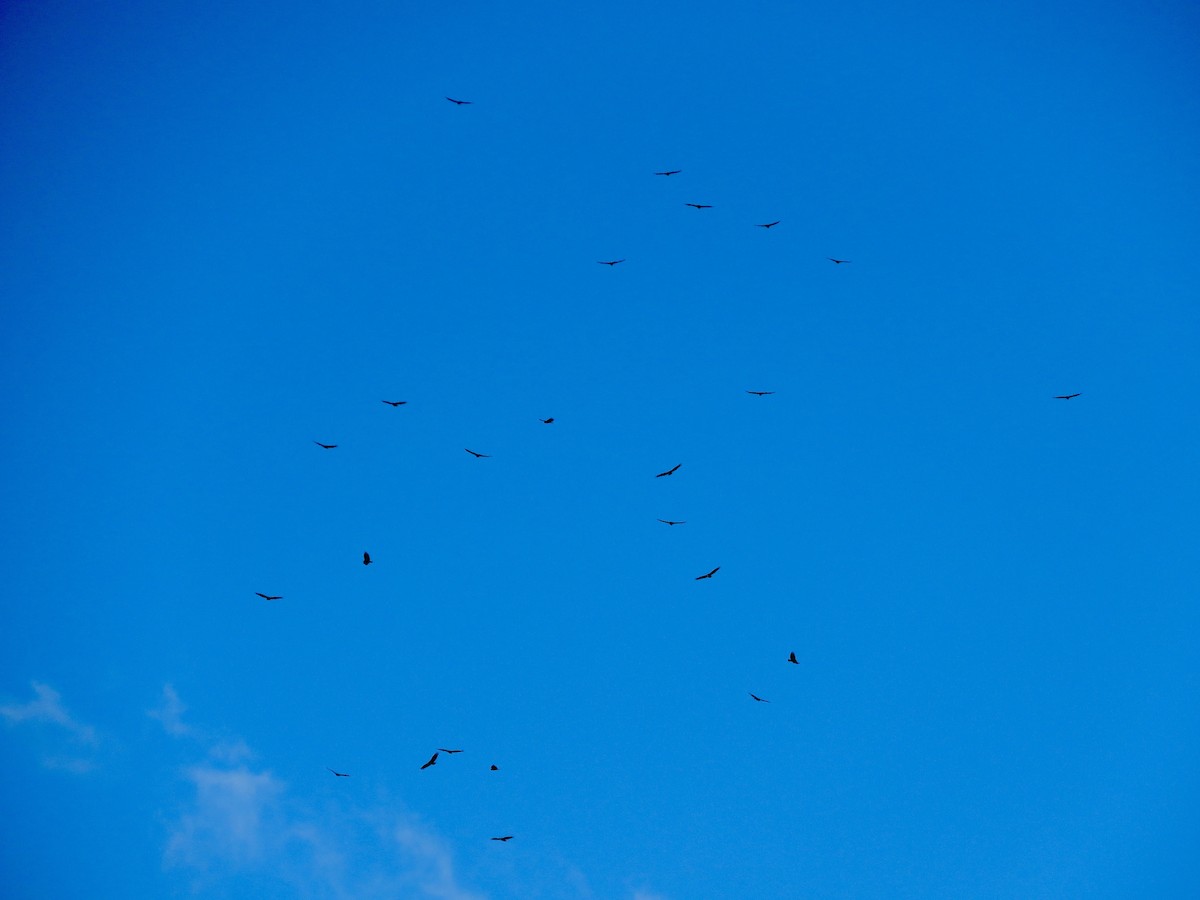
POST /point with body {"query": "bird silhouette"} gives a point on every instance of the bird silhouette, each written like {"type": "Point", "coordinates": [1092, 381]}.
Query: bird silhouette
{"type": "Point", "coordinates": [432, 762]}
{"type": "Point", "coordinates": [760, 393]}
{"type": "Point", "coordinates": [460, 102]}
{"type": "Point", "coordinates": [394, 402]}
{"type": "Point", "coordinates": [495, 769]}
{"type": "Point", "coordinates": [478, 455]}
{"type": "Point", "coordinates": [771, 224]}
{"type": "Point", "coordinates": [549, 421]}
{"type": "Point", "coordinates": [609, 262]}
{"type": "Point", "coordinates": [709, 575]}
{"type": "Point", "coordinates": [339, 774]}
{"type": "Point", "coordinates": [699, 205]}
{"type": "Point", "coordinates": [837, 262]}
{"type": "Point", "coordinates": [670, 471]}
{"type": "Point", "coordinates": [792, 658]}
{"type": "Point", "coordinates": [507, 837]}
{"type": "Point", "coordinates": [265, 597]}
{"type": "Point", "coordinates": [325, 446]}
{"type": "Point", "coordinates": [672, 172]}
{"type": "Point", "coordinates": [444, 750]}
{"type": "Point", "coordinates": [669, 522]}
{"type": "Point", "coordinates": [1065, 396]}
{"type": "Point", "coordinates": [366, 559]}
{"type": "Point", "coordinates": [758, 698]}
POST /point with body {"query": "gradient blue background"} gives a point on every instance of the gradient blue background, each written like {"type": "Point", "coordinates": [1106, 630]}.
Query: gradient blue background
{"type": "Point", "coordinates": [229, 232]}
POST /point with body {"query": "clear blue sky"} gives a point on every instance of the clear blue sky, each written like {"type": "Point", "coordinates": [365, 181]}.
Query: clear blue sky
{"type": "Point", "coordinates": [229, 232]}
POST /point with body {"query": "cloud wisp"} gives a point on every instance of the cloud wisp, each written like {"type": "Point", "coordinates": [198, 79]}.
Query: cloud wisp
{"type": "Point", "coordinates": [47, 707]}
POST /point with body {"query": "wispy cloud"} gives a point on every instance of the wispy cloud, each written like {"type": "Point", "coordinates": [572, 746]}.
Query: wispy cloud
{"type": "Point", "coordinates": [47, 707]}
{"type": "Point", "coordinates": [243, 821]}
{"type": "Point", "coordinates": [170, 713]}
{"type": "Point", "coordinates": [61, 734]}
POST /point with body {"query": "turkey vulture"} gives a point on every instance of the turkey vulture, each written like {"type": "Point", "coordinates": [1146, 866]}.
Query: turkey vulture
{"type": "Point", "coordinates": [495, 769]}
{"type": "Point", "coordinates": [771, 224]}
{"type": "Point", "coordinates": [669, 522]}
{"type": "Point", "coordinates": [432, 762]}
{"type": "Point", "coordinates": [792, 658]}
{"type": "Point", "coordinates": [672, 172]}
{"type": "Point", "coordinates": [549, 421]}
{"type": "Point", "coordinates": [1065, 396]}
{"type": "Point", "coordinates": [760, 393]}
{"type": "Point", "coordinates": [366, 559]}
{"type": "Point", "coordinates": [339, 774]}
{"type": "Point", "coordinates": [265, 597]}
{"type": "Point", "coordinates": [699, 205]}
{"type": "Point", "coordinates": [609, 262]}
{"type": "Point", "coordinates": [325, 446]}
{"type": "Point", "coordinates": [478, 455]}
{"type": "Point", "coordinates": [709, 575]}
{"type": "Point", "coordinates": [758, 698]}
{"type": "Point", "coordinates": [444, 750]}
{"type": "Point", "coordinates": [507, 837]}
{"type": "Point", "coordinates": [670, 471]}
{"type": "Point", "coordinates": [837, 261]}
{"type": "Point", "coordinates": [460, 102]}
{"type": "Point", "coordinates": [394, 402]}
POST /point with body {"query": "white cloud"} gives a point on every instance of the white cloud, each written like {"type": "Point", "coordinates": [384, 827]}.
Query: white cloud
{"type": "Point", "coordinates": [171, 713]}
{"type": "Point", "coordinates": [245, 821]}
{"type": "Point", "coordinates": [47, 707]}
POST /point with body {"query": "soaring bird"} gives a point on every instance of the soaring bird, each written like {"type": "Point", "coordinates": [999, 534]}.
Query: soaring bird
{"type": "Point", "coordinates": [549, 421]}
{"type": "Point", "coordinates": [758, 698]}
{"type": "Point", "coordinates": [444, 750]}
{"type": "Point", "coordinates": [837, 262]}
{"type": "Point", "coordinates": [672, 172]}
{"type": "Point", "coordinates": [432, 762]}
{"type": "Point", "coordinates": [771, 224]}
{"type": "Point", "coordinates": [495, 769]}
{"type": "Point", "coordinates": [670, 471]}
{"type": "Point", "coordinates": [1065, 396]}
{"type": "Point", "coordinates": [265, 597]}
{"type": "Point", "coordinates": [669, 522]}
{"type": "Point", "coordinates": [792, 658]}
{"type": "Point", "coordinates": [709, 575]}
{"type": "Point", "coordinates": [507, 837]}
{"type": "Point", "coordinates": [339, 774]}
{"type": "Point", "coordinates": [366, 559]}
{"type": "Point", "coordinates": [478, 455]}
{"type": "Point", "coordinates": [460, 102]}
{"type": "Point", "coordinates": [325, 446]}
{"type": "Point", "coordinates": [394, 402]}
{"type": "Point", "coordinates": [609, 262]}
{"type": "Point", "coordinates": [760, 393]}
{"type": "Point", "coordinates": [699, 205]}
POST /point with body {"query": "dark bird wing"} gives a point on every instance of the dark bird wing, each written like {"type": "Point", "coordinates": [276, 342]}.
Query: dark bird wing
{"type": "Point", "coordinates": [670, 471]}
{"type": "Point", "coordinates": [432, 761]}
{"type": "Point", "coordinates": [672, 172]}
{"type": "Point", "coordinates": [395, 402]}
{"type": "Point", "coordinates": [478, 455]}
{"type": "Point", "coordinates": [758, 698]}
{"type": "Point", "coordinates": [265, 597]}
{"type": "Point", "coordinates": [444, 750]}
{"type": "Point", "coordinates": [325, 446]}
{"type": "Point", "coordinates": [507, 837]}
{"type": "Point", "coordinates": [339, 774]}
{"type": "Point", "coordinates": [771, 224]}
{"type": "Point", "coordinates": [792, 658]}
{"type": "Point", "coordinates": [1065, 396]}
{"type": "Point", "coordinates": [460, 102]}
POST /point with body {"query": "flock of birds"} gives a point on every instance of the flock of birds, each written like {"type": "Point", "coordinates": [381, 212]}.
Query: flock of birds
{"type": "Point", "coordinates": [366, 559]}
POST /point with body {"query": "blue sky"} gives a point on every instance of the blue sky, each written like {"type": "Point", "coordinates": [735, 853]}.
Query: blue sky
{"type": "Point", "coordinates": [229, 233]}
